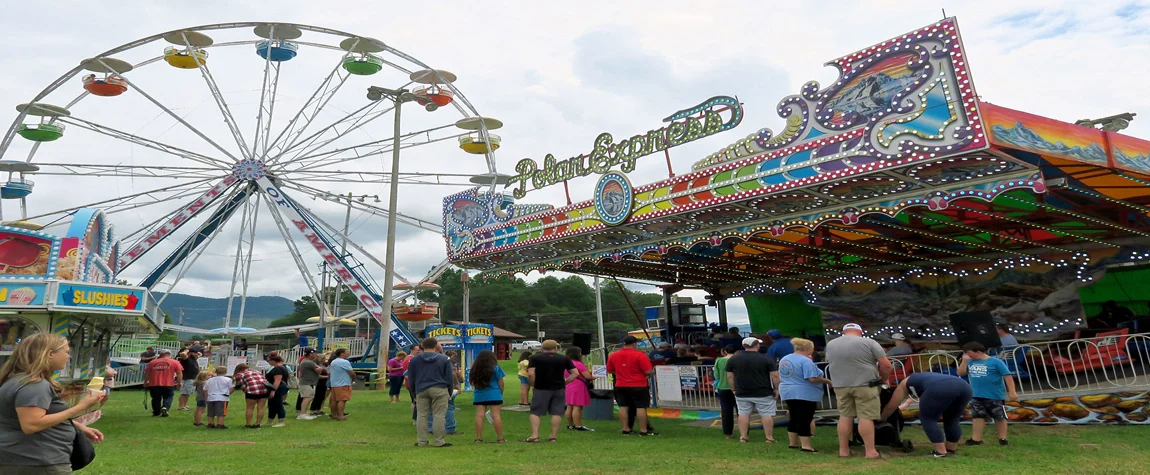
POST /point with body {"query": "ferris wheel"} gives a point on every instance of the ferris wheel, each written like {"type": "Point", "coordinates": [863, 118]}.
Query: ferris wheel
{"type": "Point", "coordinates": [188, 134]}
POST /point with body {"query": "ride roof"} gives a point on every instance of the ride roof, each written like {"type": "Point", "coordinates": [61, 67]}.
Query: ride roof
{"type": "Point", "coordinates": [896, 171]}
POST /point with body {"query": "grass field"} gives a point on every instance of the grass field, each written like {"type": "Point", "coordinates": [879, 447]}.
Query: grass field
{"type": "Point", "coordinates": [378, 438]}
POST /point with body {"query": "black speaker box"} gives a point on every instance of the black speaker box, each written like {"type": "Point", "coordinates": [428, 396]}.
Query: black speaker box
{"type": "Point", "coordinates": [975, 326]}
{"type": "Point", "coordinates": [583, 341]}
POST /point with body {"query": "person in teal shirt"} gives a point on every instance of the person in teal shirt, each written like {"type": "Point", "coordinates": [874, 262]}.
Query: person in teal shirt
{"type": "Point", "coordinates": [991, 384]}
{"type": "Point", "coordinates": [726, 396]}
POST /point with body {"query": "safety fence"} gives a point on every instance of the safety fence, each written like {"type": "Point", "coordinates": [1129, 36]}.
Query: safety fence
{"type": "Point", "coordinates": [1108, 362]}
{"type": "Point", "coordinates": [129, 349]}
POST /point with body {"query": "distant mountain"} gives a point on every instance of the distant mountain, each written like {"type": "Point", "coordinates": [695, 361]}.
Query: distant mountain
{"type": "Point", "coordinates": [1137, 161]}
{"type": "Point", "coordinates": [208, 313]}
{"type": "Point", "coordinates": [872, 94]}
{"type": "Point", "coordinates": [1023, 137]}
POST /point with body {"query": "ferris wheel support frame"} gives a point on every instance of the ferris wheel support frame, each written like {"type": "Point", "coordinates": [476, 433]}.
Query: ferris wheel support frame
{"type": "Point", "coordinates": [217, 219]}
{"type": "Point", "coordinates": [356, 284]}
{"type": "Point", "coordinates": [186, 214]}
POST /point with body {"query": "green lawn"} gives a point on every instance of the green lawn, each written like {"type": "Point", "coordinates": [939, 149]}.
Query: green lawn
{"type": "Point", "coordinates": [379, 438]}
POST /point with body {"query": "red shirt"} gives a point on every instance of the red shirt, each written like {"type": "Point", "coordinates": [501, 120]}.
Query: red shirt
{"type": "Point", "coordinates": [162, 372]}
{"type": "Point", "coordinates": [630, 367]}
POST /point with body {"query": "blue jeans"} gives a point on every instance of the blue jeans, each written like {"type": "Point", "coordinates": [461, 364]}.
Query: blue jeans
{"type": "Point", "coordinates": [450, 426]}
{"type": "Point", "coordinates": [161, 398]}
{"type": "Point", "coordinates": [276, 404]}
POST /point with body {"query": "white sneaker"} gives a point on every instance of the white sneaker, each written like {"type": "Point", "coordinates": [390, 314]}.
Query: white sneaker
{"type": "Point", "coordinates": [278, 424]}
{"type": "Point", "coordinates": [305, 417]}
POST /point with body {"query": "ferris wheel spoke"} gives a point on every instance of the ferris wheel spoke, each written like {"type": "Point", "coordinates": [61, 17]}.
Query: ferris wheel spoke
{"type": "Point", "coordinates": [187, 212]}
{"type": "Point", "coordinates": [310, 109]}
{"type": "Point", "coordinates": [147, 228]}
{"type": "Point", "coordinates": [130, 171]}
{"type": "Point", "coordinates": [178, 118]}
{"type": "Point", "coordinates": [200, 238]}
{"type": "Point", "coordinates": [414, 178]}
{"type": "Point", "coordinates": [268, 93]}
{"type": "Point", "coordinates": [372, 148]}
{"type": "Point", "coordinates": [400, 217]}
{"type": "Point", "coordinates": [117, 200]}
{"type": "Point", "coordinates": [219, 98]}
{"type": "Point", "coordinates": [143, 142]}
{"type": "Point", "coordinates": [341, 127]}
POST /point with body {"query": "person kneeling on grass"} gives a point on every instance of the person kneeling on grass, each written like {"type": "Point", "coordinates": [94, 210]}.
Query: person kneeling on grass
{"type": "Point", "coordinates": [218, 391]}
{"type": "Point", "coordinates": [991, 383]}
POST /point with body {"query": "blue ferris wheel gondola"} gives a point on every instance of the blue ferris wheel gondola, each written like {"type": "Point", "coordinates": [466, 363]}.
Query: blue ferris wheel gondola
{"type": "Point", "coordinates": [277, 50]}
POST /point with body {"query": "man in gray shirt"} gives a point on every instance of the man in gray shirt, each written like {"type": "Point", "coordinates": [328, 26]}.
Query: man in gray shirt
{"type": "Point", "coordinates": [308, 379]}
{"type": "Point", "coordinates": [857, 367]}
{"type": "Point", "coordinates": [432, 379]}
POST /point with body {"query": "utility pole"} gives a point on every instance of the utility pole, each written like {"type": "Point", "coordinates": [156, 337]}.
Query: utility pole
{"type": "Point", "coordinates": [466, 280]}
{"type": "Point", "coordinates": [399, 96]}
{"type": "Point", "coordinates": [537, 318]}
{"type": "Point", "coordinates": [599, 318]}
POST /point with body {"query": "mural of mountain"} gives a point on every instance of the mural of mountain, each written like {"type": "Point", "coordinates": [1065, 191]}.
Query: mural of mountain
{"type": "Point", "coordinates": [208, 313]}
{"type": "Point", "coordinates": [1138, 161]}
{"type": "Point", "coordinates": [1025, 138]}
{"type": "Point", "coordinates": [871, 94]}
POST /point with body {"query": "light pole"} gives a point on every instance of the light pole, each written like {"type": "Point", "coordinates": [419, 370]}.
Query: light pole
{"type": "Point", "coordinates": [537, 319]}
{"type": "Point", "coordinates": [399, 96]}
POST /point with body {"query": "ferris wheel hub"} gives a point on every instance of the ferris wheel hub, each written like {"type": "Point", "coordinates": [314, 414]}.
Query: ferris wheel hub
{"type": "Point", "coordinates": [249, 169]}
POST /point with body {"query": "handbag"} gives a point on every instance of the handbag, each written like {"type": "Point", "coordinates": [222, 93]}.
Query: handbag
{"type": "Point", "coordinates": [83, 452]}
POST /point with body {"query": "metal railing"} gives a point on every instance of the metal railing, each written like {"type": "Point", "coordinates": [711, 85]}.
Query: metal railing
{"type": "Point", "coordinates": [127, 376]}
{"type": "Point", "coordinates": [1110, 362]}
{"type": "Point", "coordinates": [129, 349]}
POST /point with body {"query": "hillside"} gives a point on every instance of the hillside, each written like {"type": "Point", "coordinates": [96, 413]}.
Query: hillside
{"type": "Point", "coordinates": [208, 313]}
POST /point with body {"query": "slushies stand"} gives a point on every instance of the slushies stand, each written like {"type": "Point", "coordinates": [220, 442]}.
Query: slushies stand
{"type": "Point", "coordinates": [468, 339]}
{"type": "Point", "coordinates": [65, 285]}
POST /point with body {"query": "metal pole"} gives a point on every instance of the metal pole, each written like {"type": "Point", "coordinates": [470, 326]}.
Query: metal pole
{"type": "Point", "coordinates": [389, 257]}
{"type": "Point", "coordinates": [466, 297]}
{"type": "Point", "coordinates": [599, 318]}
{"type": "Point", "coordinates": [342, 253]}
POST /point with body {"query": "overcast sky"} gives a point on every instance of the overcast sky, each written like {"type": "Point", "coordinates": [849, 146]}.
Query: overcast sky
{"type": "Point", "coordinates": [556, 74]}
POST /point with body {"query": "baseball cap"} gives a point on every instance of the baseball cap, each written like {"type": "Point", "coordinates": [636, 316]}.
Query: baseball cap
{"type": "Point", "coordinates": [774, 333]}
{"type": "Point", "coordinates": [630, 340]}
{"type": "Point", "coordinates": [898, 336]}
{"type": "Point", "coordinates": [309, 350]}
{"type": "Point", "coordinates": [664, 345]}
{"type": "Point", "coordinates": [165, 351]}
{"type": "Point", "coordinates": [852, 326]}
{"type": "Point", "coordinates": [751, 341]}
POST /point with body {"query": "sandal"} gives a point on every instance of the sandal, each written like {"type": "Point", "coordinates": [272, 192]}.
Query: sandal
{"type": "Point", "coordinates": [552, 439]}
{"type": "Point", "coordinates": [743, 440]}
{"type": "Point", "coordinates": [499, 441]}
{"type": "Point", "coordinates": [478, 441]}
{"type": "Point", "coordinates": [771, 441]}
{"type": "Point", "coordinates": [809, 451]}
{"type": "Point", "coordinates": [531, 440]}
{"type": "Point", "coordinates": [794, 446]}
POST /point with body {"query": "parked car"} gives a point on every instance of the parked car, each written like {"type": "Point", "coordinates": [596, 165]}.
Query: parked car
{"type": "Point", "coordinates": [526, 345]}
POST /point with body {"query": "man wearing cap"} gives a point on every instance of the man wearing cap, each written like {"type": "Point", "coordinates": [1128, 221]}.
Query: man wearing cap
{"type": "Point", "coordinates": [160, 377]}
{"type": "Point", "coordinates": [781, 347]}
{"type": "Point", "coordinates": [901, 346]}
{"type": "Point", "coordinates": [754, 378]}
{"type": "Point", "coordinates": [631, 369]}
{"type": "Point", "coordinates": [308, 380]}
{"type": "Point", "coordinates": [858, 366]}
{"type": "Point", "coordinates": [663, 353]}
{"type": "Point", "coordinates": [545, 371]}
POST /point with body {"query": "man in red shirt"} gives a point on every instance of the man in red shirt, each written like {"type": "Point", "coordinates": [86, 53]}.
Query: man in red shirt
{"type": "Point", "coordinates": [160, 377]}
{"type": "Point", "coordinates": [415, 350]}
{"type": "Point", "coordinates": [631, 368]}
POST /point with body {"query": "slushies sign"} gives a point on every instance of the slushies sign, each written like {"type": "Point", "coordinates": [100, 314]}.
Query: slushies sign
{"type": "Point", "coordinates": [685, 126]}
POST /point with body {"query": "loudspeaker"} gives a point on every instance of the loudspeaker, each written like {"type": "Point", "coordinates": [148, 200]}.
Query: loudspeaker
{"type": "Point", "coordinates": [583, 341]}
{"type": "Point", "coordinates": [975, 326]}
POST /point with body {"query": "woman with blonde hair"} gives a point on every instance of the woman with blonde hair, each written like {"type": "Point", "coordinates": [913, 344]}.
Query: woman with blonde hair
{"type": "Point", "coordinates": [36, 427]}
{"type": "Point", "coordinates": [801, 387]}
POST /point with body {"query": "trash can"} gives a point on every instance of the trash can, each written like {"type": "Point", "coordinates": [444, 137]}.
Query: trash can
{"type": "Point", "coordinates": [602, 406]}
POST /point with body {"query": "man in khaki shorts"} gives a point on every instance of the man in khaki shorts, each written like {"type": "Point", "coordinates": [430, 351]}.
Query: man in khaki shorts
{"type": "Point", "coordinates": [855, 363]}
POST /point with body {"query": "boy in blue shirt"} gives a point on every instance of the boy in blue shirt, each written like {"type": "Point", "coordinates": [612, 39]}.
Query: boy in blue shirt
{"type": "Point", "coordinates": [992, 383]}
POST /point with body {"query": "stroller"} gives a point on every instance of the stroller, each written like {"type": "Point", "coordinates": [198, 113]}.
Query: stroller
{"type": "Point", "coordinates": [888, 432]}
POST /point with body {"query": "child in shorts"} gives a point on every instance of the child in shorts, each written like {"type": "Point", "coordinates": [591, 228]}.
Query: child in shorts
{"type": "Point", "coordinates": [201, 396]}
{"type": "Point", "coordinates": [218, 391]}
{"type": "Point", "coordinates": [992, 384]}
